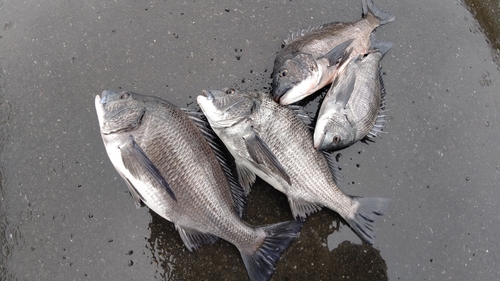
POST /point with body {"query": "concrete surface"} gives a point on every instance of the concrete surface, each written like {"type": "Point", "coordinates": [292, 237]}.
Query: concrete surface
{"type": "Point", "coordinates": [66, 215]}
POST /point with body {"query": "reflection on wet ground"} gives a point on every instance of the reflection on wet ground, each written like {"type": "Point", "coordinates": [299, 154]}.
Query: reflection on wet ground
{"type": "Point", "coordinates": [487, 12]}
{"type": "Point", "coordinates": [309, 258]}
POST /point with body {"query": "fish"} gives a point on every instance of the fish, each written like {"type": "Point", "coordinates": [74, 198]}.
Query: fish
{"type": "Point", "coordinates": [312, 58]}
{"type": "Point", "coordinates": [354, 106]}
{"type": "Point", "coordinates": [166, 160]}
{"type": "Point", "coordinates": [271, 141]}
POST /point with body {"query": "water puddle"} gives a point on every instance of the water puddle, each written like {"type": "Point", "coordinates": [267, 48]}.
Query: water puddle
{"type": "Point", "coordinates": [486, 13]}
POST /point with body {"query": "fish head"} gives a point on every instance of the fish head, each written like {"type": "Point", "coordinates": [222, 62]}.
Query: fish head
{"type": "Point", "coordinates": [119, 111]}
{"type": "Point", "coordinates": [294, 78]}
{"type": "Point", "coordinates": [334, 133]}
{"type": "Point", "coordinates": [226, 107]}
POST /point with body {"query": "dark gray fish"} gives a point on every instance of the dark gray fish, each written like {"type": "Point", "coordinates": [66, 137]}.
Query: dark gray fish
{"type": "Point", "coordinates": [312, 59]}
{"type": "Point", "coordinates": [351, 110]}
{"type": "Point", "coordinates": [169, 166]}
{"type": "Point", "coordinates": [281, 152]}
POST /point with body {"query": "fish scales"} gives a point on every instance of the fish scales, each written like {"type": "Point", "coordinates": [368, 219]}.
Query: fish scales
{"type": "Point", "coordinates": [168, 164]}
{"type": "Point", "coordinates": [354, 103]}
{"type": "Point", "coordinates": [309, 172]}
{"type": "Point", "coordinates": [271, 141]}
{"type": "Point", "coordinates": [313, 59]}
{"type": "Point", "coordinates": [165, 147]}
{"type": "Point", "coordinates": [320, 41]}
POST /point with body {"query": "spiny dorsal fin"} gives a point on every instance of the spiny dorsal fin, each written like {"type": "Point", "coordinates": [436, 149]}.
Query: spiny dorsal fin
{"type": "Point", "coordinates": [223, 156]}
{"type": "Point", "coordinates": [301, 32]}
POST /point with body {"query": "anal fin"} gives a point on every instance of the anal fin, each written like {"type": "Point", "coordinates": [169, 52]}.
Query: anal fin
{"type": "Point", "coordinates": [301, 209]}
{"type": "Point", "coordinates": [194, 239]}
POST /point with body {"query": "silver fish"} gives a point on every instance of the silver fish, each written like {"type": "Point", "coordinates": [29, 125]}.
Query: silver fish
{"type": "Point", "coordinates": [351, 110]}
{"type": "Point", "coordinates": [312, 58]}
{"type": "Point", "coordinates": [271, 141]}
{"type": "Point", "coordinates": [168, 165]}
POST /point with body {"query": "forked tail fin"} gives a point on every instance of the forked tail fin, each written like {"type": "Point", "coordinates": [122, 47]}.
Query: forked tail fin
{"type": "Point", "coordinates": [367, 211]}
{"type": "Point", "coordinates": [383, 16]}
{"type": "Point", "coordinates": [261, 263]}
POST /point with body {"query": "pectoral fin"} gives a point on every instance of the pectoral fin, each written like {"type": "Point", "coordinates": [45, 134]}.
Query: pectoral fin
{"type": "Point", "coordinates": [344, 89]}
{"type": "Point", "coordinates": [262, 154]}
{"type": "Point", "coordinates": [339, 53]}
{"type": "Point", "coordinates": [139, 165]}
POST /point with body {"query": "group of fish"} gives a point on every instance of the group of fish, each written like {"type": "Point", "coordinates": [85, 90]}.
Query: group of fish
{"type": "Point", "coordinates": [175, 160]}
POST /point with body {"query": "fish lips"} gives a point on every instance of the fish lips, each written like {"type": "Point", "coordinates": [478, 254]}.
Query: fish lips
{"type": "Point", "coordinates": [280, 91]}
{"type": "Point", "coordinates": [320, 144]}
{"type": "Point", "coordinates": [105, 96]}
{"type": "Point", "coordinates": [102, 100]}
{"type": "Point", "coordinates": [207, 94]}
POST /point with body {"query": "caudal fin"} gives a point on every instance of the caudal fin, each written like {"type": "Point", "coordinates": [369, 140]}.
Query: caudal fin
{"type": "Point", "coordinates": [261, 264]}
{"type": "Point", "coordinates": [367, 211]}
{"type": "Point", "coordinates": [369, 7]}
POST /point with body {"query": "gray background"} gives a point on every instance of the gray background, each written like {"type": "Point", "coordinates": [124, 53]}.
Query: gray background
{"type": "Point", "coordinates": [66, 215]}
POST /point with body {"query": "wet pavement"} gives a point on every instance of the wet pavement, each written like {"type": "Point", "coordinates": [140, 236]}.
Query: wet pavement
{"type": "Point", "coordinates": [65, 214]}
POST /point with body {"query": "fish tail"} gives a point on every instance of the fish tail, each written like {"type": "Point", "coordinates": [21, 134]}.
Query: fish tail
{"type": "Point", "coordinates": [261, 263]}
{"type": "Point", "coordinates": [383, 16]}
{"type": "Point", "coordinates": [368, 209]}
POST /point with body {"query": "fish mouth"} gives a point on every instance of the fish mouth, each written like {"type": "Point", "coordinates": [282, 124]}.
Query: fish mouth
{"type": "Point", "coordinates": [105, 96]}
{"type": "Point", "coordinates": [280, 92]}
{"type": "Point", "coordinates": [207, 94]}
{"type": "Point", "coordinates": [318, 143]}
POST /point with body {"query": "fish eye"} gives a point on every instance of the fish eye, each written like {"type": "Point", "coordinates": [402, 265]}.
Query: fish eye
{"type": "Point", "coordinates": [283, 72]}
{"type": "Point", "coordinates": [229, 91]}
{"type": "Point", "coordinates": [336, 139]}
{"type": "Point", "coordinates": [124, 95]}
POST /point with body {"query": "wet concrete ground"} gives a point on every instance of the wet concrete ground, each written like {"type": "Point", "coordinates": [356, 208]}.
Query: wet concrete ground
{"type": "Point", "coordinates": [66, 215]}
